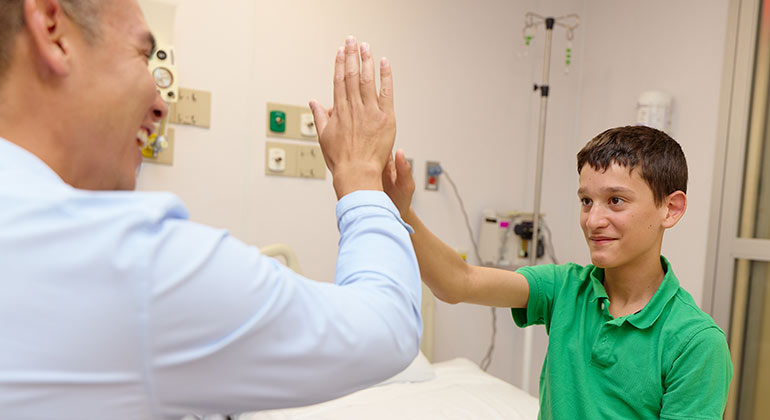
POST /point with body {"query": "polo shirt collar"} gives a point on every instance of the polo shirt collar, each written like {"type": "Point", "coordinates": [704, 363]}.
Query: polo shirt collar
{"type": "Point", "coordinates": [14, 157]}
{"type": "Point", "coordinates": [597, 279]}
{"type": "Point", "coordinates": [651, 312]}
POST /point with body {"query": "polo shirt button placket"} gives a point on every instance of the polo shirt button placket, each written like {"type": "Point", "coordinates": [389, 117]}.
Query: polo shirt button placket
{"type": "Point", "coordinates": [601, 354]}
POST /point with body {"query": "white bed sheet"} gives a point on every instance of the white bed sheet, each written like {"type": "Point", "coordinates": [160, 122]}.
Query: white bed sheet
{"type": "Point", "coordinates": [460, 391]}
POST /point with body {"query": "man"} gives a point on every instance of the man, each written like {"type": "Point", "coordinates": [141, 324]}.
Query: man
{"type": "Point", "coordinates": [113, 304]}
{"type": "Point", "coordinates": [625, 340]}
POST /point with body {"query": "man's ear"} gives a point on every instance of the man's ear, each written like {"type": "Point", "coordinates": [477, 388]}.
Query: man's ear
{"type": "Point", "coordinates": [45, 24]}
{"type": "Point", "coordinates": [675, 206]}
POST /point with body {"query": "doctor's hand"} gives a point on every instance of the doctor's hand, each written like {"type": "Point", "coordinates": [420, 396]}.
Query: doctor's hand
{"type": "Point", "coordinates": [398, 183]}
{"type": "Point", "coordinates": [357, 135]}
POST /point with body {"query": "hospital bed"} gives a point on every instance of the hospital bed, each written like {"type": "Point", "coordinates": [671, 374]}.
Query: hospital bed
{"type": "Point", "coordinates": [454, 389]}
{"type": "Point", "coordinates": [458, 389]}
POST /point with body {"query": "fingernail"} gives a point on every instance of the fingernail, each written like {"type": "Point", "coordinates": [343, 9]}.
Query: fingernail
{"type": "Point", "coordinates": [341, 52]}
{"type": "Point", "coordinates": [364, 47]}
{"type": "Point", "coordinates": [350, 41]}
{"type": "Point", "coordinates": [384, 62]}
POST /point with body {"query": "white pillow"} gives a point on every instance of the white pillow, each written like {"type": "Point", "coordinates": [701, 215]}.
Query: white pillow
{"type": "Point", "coordinates": [419, 370]}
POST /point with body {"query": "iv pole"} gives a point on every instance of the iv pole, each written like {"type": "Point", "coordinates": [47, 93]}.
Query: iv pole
{"type": "Point", "coordinates": [544, 90]}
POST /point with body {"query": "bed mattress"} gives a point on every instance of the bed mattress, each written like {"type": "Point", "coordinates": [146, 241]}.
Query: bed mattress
{"type": "Point", "coordinates": [460, 390]}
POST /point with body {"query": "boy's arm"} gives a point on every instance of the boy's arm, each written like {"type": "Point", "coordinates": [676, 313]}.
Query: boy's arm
{"type": "Point", "coordinates": [696, 386]}
{"type": "Point", "coordinates": [449, 277]}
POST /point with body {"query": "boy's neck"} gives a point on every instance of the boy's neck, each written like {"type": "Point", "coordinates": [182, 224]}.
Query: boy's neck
{"type": "Point", "coordinates": [631, 286]}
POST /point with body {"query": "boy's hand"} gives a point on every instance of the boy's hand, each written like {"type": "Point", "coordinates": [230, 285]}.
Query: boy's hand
{"type": "Point", "coordinates": [398, 182]}
{"type": "Point", "coordinates": [357, 135]}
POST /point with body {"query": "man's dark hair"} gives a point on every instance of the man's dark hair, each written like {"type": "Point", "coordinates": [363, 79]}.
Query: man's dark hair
{"type": "Point", "coordinates": [659, 158]}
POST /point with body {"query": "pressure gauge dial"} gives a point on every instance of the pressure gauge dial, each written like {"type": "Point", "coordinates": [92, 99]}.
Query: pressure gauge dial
{"type": "Point", "coordinates": [163, 77]}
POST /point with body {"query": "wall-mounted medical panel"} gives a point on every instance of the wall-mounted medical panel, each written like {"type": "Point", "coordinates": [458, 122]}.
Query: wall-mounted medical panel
{"type": "Point", "coordinates": [294, 160]}
{"type": "Point", "coordinates": [162, 153]}
{"type": "Point", "coordinates": [290, 122]}
{"type": "Point", "coordinates": [162, 65]}
{"type": "Point", "coordinates": [192, 108]}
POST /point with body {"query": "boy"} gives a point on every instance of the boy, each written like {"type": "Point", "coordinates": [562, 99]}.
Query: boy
{"type": "Point", "coordinates": [625, 340]}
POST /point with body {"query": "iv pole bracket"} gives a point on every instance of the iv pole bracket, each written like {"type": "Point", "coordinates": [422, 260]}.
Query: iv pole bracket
{"type": "Point", "coordinates": [543, 89]}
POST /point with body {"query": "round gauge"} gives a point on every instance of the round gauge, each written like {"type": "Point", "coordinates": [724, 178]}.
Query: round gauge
{"type": "Point", "coordinates": [163, 77]}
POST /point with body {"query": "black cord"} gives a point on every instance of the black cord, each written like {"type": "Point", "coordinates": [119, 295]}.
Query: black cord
{"type": "Point", "coordinates": [549, 243]}
{"type": "Point", "coordinates": [487, 360]}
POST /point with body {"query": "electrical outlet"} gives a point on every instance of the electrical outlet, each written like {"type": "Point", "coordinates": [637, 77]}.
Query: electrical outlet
{"type": "Point", "coordinates": [307, 125]}
{"type": "Point", "coordinates": [280, 159]}
{"type": "Point", "coordinates": [277, 121]}
{"type": "Point", "coordinates": [432, 174]}
{"type": "Point", "coordinates": [276, 159]}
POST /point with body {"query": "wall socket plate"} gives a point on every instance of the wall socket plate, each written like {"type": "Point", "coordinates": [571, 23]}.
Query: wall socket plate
{"type": "Point", "coordinates": [432, 175]}
{"type": "Point", "coordinates": [299, 123]}
{"type": "Point", "coordinates": [294, 160]}
{"type": "Point", "coordinates": [193, 107]}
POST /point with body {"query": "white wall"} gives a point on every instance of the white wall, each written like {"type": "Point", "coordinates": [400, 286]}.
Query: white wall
{"type": "Point", "coordinates": [626, 48]}
{"type": "Point", "coordinates": [676, 47]}
{"type": "Point", "coordinates": [463, 97]}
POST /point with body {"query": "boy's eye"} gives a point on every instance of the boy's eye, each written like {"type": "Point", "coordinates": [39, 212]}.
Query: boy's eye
{"type": "Point", "coordinates": [585, 201]}
{"type": "Point", "coordinates": [616, 200]}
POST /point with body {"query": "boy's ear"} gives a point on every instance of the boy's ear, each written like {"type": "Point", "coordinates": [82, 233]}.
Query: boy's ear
{"type": "Point", "coordinates": [45, 23]}
{"type": "Point", "coordinates": [675, 205]}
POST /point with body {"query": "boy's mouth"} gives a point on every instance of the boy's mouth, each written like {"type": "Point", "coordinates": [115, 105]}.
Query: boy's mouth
{"type": "Point", "coordinates": [600, 240]}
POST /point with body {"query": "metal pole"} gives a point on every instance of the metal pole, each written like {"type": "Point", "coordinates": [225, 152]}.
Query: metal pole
{"type": "Point", "coordinates": [544, 89]}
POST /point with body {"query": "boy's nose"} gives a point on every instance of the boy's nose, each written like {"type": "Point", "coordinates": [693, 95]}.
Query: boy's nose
{"type": "Point", "coordinates": [596, 218]}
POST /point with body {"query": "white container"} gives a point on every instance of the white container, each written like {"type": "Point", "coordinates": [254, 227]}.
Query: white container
{"type": "Point", "coordinates": [653, 109]}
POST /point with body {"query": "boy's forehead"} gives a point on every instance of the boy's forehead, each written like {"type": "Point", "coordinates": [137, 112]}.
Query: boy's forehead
{"type": "Point", "coordinates": [615, 178]}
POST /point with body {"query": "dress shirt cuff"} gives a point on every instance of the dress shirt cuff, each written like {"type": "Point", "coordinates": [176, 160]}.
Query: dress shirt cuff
{"type": "Point", "coordinates": [348, 206]}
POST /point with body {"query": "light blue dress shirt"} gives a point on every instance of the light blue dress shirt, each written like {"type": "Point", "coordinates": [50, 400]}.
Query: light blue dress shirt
{"type": "Point", "coordinates": [114, 305]}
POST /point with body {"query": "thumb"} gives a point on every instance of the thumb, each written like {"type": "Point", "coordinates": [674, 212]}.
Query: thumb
{"type": "Point", "coordinates": [320, 116]}
{"type": "Point", "coordinates": [403, 170]}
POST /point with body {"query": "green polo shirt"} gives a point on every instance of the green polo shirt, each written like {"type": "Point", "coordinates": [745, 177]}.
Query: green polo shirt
{"type": "Point", "coordinates": [667, 361]}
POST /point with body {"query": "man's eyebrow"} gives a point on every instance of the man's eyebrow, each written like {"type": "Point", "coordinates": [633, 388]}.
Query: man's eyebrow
{"type": "Point", "coordinates": [149, 39]}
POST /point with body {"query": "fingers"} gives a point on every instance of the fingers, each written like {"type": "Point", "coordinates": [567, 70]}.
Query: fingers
{"type": "Point", "coordinates": [389, 174]}
{"type": "Point", "coordinates": [386, 86]}
{"type": "Point", "coordinates": [352, 72]}
{"type": "Point", "coordinates": [321, 117]}
{"type": "Point", "coordinates": [368, 88]}
{"type": "Point", "coordinates": [340, 95]}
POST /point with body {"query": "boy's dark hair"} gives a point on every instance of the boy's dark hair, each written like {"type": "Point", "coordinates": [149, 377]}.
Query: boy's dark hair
{"type": "Point", "coordinates": [658, 156]}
